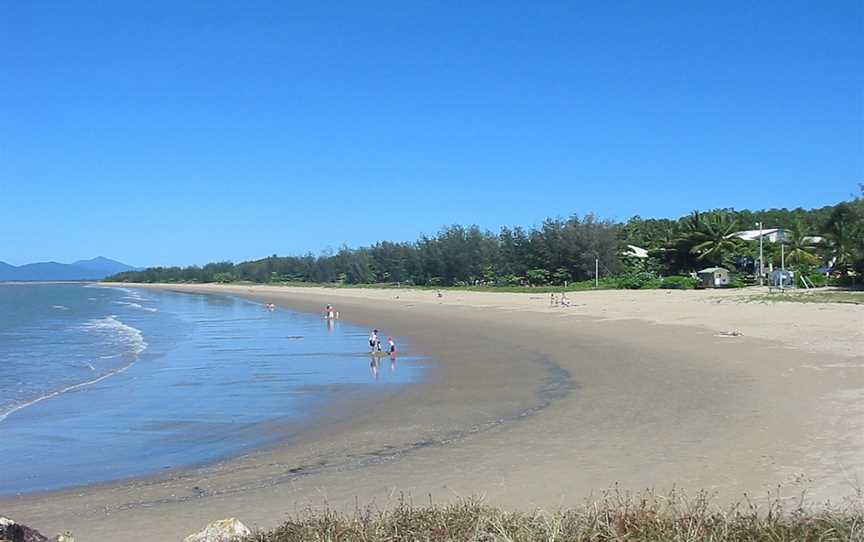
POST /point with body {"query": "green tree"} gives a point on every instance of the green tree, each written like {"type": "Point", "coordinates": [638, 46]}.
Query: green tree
{"type": "Point", "coordinates": [538, 276]}
{"type": "Point", "coordinates": [800, 249]}
{"type": "Point", "coordinates": [711, 237]}
{"type": "Point", "coordinates": [844, 236]}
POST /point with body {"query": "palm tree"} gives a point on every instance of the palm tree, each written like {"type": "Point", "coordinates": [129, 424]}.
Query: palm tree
{"type": "Point", "coordinates": [800, 248]}
{"type": "Point", "coordinates": [842, 240]}
{"type": "Point", "coordinates": [711, 238]}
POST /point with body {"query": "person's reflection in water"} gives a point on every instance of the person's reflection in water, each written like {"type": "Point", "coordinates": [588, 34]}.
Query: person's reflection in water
{"type": "Point", "coordinates": [373, 365]}
{"type": "Point", "coordinates": [331, 324]}
{"type": "Point", "coordinates": [392, 363]}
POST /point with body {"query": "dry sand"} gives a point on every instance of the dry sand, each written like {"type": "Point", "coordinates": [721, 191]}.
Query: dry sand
{"type": "Point", "coordinates": [536, 406]}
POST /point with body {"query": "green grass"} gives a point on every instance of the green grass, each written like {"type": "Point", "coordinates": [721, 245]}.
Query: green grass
{"type": "Point", "coordinates": [614, 517]}
{"type": "Point", "coordinates": [830, 296]}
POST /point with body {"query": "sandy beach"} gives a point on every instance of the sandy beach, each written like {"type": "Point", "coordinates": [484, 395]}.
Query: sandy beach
{"type": "Point", "coordinates": [530, 405]}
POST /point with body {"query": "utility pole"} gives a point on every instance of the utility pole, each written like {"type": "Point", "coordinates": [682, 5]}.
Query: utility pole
{"type": "Point", "coordinates": [782, 265]}
{"type": "Point", "coordinates": [761, 262]}
{"type": "Point", "coordinates": [596, 272]}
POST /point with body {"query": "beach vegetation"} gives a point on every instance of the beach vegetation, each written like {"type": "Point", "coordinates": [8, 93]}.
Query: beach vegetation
{"type": "Point", "coordinates": [711, 237]}
{"type": "Point", "coordinates": [566, 253]}
{"type": "Point", "coordinates": [615, 516]}
{"type": "Point", "coordinates": [678, 282]}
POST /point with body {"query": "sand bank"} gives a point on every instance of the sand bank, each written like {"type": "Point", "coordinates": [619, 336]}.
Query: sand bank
{"type": "Point", "coordinates": [532, 405]}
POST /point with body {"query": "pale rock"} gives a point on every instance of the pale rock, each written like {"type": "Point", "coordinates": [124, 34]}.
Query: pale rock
{"type": "Point", "coordinates": [224, 530]}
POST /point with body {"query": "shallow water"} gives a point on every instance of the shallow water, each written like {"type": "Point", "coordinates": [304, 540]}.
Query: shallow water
{"type": "Point", "coordinates": [98, 383]}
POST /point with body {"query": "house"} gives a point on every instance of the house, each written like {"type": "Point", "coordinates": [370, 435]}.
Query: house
{"type": "Point", "coordinates": [772, 235]}
{"type": "Point", "coordinates": [635, 252]}
{"type": "Point", "coordinates": [713, 277]}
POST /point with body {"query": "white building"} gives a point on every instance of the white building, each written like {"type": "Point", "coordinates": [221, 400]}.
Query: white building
{"type": "Point", "coordinates": [772, 235]}
{"type": "Point", "coordinates": [714, 277]}
{"type": "Point", "coordinates": [635, 252]}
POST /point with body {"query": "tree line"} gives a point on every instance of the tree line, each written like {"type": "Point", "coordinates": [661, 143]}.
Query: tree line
{"type": "Point", "coordinates": [561, 251]}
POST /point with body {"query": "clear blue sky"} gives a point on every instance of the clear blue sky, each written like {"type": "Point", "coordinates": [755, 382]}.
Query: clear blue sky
{"type": "Point", "coordinates": [184, 132]}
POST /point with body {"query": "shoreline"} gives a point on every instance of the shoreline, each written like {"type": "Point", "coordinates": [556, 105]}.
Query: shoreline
{"type": "Point", "coordinates": [645, 405]}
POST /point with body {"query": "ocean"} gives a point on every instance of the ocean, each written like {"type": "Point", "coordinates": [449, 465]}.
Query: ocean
{"type": "Point", "coordinates": [104, 383]}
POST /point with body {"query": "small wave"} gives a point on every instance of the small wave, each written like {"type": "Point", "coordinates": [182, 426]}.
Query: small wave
{"type": "Point", "coordinates": [109, 325]}
{"type": "Point", "coordinates": [16, 408]}
{"type": "Point", "coordinates": [133, 294]}
{"type": "Point", "coordinates": [60, 307]}
{"type": "Point", "coordinates": [136, 306]}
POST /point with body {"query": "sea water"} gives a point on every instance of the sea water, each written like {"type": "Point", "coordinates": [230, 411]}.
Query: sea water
{"type": "Point", "coordinates": [103, 383]}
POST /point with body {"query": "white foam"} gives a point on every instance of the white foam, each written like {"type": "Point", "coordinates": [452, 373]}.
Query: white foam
{"type": "Point", "coordinates": [109, 325]}
{"type": "Point", "coordinates": [136, 306]}
{"type": "Point", "coordinates": [60, 307]}
{"type": "Point", "coordinates": [16, 408]}
{"type": "Point", "coordinates": [134, 294]}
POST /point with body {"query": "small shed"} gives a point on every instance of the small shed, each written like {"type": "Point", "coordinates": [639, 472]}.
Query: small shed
{"type": "Point", "coordinates": [782, 278]}
{"type": "Point", "coordinates": [714, 277]}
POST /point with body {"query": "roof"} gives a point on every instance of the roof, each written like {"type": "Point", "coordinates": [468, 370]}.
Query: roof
{"type": "Point", "coordinates": [753, 235]}
{"type": "Point", "coordinates": [638, 252]}
{"type": "Point", "coordinates": [712, 270]}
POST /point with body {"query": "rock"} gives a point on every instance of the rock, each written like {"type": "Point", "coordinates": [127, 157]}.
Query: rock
{"type": "Point", "coordinates": [66, 537]}
{"type": "Point", "coordinates": [15, 532]}
{"type": "Point", "coordinates": [224, 530]}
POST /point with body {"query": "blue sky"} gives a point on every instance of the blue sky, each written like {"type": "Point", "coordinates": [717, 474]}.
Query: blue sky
{"type": "Point", "coordinates": [185, 132]}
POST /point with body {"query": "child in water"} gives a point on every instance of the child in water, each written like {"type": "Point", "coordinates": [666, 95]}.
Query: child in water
{"type": "Point", "coordinates": [391, 346]}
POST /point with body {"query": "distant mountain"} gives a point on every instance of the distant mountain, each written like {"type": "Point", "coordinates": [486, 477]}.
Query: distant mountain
{"type": "Point", "coordinates": [95, 269]}
{"type": "Point", "coordinates": [100, 263]}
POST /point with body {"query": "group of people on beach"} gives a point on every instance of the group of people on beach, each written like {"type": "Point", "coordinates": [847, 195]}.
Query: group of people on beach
{"type": "Point", "coordinates": [554, 301]}
{"type": "Point", "coordinates": [330, 314]}
{"type": "Point", "coordinates": [375, 344]}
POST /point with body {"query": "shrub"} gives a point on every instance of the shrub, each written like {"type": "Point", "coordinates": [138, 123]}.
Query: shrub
{"type": "Point", "coordinates": [223, 277]}
{"type": "Point", "coordinates": [637, 280]}
{"type": "Point", "coordinates": [678, 282]}
{"type": "Point", "coordinates": [737, 282]}
{"type": "Point", "coordinates": [816, 279]}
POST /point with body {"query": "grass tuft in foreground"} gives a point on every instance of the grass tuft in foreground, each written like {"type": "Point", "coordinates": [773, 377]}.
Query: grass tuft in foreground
{"type": "Point", "coordinates": [615, 517]}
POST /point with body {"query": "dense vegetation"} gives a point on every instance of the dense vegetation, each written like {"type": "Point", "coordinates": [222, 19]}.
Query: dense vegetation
{"type": "Point", "coordinates": [564, 251]}
{"type": "Point", "coordinates": [615, 517]}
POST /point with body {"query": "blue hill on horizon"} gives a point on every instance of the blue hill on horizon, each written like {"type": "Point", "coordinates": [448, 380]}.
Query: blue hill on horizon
{"type": "Point", "coordinates": [95, 269]}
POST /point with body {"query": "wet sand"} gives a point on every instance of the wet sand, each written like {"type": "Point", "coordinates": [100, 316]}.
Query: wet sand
{"type": "Point", "coordinates": [535, 406]}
